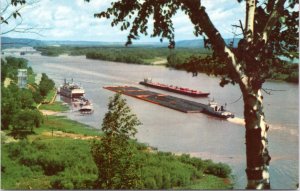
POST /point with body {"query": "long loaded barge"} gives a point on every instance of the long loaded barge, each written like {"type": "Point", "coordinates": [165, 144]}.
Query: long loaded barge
{"type": "Point", "coordinates": [175, 89]}
{"type": "Point", "coordinates": [172, 102]}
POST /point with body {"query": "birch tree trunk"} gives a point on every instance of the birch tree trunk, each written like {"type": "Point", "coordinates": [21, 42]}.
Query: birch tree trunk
{"type": "Point", "coordinates": [256, 141]}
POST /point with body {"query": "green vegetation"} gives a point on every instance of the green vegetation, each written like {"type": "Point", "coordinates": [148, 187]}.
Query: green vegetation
{"type": "Point", "coordinates": [24, 122]}
{"type": "Point", "coordinates": [46, 85]}
{"type": "Point", "coordinates": [10, 66]}
{"type": "Point", "coordinates": [49, 96]}
{"type": "Point", "coordinates": [31, 78]}
{"type": "Point", "coordinates": [134, 55]}
{"type": "Point", "coordinates": [115, 155]}
{"type": "Point", "coordinates": [18, 105]}
{"type": "Point", "coordinates": [61, 161]}
{"type": "Point", "coordinates": [62, 124]}
{"type": "Point", "coordinates": [55, 106]}
{"type": "Point", "coordinates": [52, 163]}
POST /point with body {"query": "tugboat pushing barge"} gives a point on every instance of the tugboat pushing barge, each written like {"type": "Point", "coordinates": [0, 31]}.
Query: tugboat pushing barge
{"type": "Point", "coordinates": [219, 111]}
{"type": "Point", "coordinates": [175, 89]}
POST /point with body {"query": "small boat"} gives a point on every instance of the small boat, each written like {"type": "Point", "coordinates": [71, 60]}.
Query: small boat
{"type": "Point", "coordinates": [175, 89]}
{"type": "Point", "coordinates": [86, 107]}
{"type": "Point", "coordinates": [219, 111]}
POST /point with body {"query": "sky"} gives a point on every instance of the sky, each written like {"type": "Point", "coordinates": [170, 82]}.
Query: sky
{"type": "Point", "coordinates": [74, 20]}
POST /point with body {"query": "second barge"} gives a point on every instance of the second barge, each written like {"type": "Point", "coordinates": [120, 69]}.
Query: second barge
{"type": "Point", "coordinates": [172, 102]}
{"type": "Point", "coordinates": [175, 89]}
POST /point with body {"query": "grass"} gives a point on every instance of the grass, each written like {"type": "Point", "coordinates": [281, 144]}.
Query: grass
{"type": "Point", "coordinates": [210, 182]}
{"type": "Point", "coordinates": [61, 123]}
{"type": "Point", "coordinates": [56, 106]}
{"type": "Point", "coordinates": [50, 96]}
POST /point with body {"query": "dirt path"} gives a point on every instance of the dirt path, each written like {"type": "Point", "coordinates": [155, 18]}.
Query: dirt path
{"type": "Point", "coordinates": [69, 135]}
{"type": "Point", "coordinates": [49, 112]}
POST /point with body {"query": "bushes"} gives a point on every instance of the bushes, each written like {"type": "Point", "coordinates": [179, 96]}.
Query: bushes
{"type": "Point", "coordinates": [220, 169]}
{"type": "Point", "coordinates": [164, 171]}
{"type": "Point", "coordinates": [66, 161]}
{"type": "Point", "coordinates": [67, 164]}
{"type": "Point", "coordinates": [207, 166]}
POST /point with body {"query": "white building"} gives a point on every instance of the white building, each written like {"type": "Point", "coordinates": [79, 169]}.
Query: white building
{"type": "Point", "coordinates": [22, 78]}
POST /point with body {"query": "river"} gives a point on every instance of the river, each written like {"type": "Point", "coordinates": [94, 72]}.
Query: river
{"type": "Point", "coordinates": [199, 135]}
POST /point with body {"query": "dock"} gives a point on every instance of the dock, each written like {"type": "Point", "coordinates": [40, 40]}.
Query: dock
{"type": "Point", "coordinates": [168, 101]}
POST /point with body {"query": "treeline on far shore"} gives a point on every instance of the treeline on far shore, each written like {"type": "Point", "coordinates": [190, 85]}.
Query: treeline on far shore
{"type": "Point", "coordinates": [150, 56]}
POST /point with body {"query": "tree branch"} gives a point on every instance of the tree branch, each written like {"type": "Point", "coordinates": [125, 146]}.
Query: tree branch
{"type": "Point", "coordinates": [200, 17]}
{"type": "Point", "coordinates": [273, 18]}
{"type": "Point", "coordinates": [250, 13]}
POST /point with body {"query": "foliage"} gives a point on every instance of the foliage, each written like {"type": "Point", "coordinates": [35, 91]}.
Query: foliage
{"type": "Point", "coordinates": [18, 105]}
{"type": "Point", "coordinates": [46, 85]}
{"type": "Point", "coordinates": [50, 96]}
{"type": "Point", "coordinates": [9, 107]}
{"type": "Point", "coordinates": [24, 122]}
{"type": "Point", "coordinates": [135, 55]}
{"type": "Point", "coordinates": [64, 163]}
{"type": "Point", "coordinates": [115, 156]}
{"type": "Point", "coordinates": [10, 66]}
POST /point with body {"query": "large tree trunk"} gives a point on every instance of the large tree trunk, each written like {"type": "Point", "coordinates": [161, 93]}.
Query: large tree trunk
{"type": "Point", "coordinates": [256, 141]}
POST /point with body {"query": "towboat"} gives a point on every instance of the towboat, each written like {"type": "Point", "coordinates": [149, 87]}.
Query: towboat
{"type": "Point", "coordinates": [219, 111]}
{"type": "Point", "coordinates": [175, 89]}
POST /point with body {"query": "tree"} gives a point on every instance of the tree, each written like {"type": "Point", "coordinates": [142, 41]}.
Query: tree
{"type": "Point", "coordinates": [26, 98]}
{"type": "Point", "coordinates": [115, 154]}
{"type": "Point", "coordinates": [45, 85]}
{"type": "Point", "coordinates": [24, 122]}
{"type": "Point", "coordinates": [270, 30]}
{"type": "Point", "coordinates": [9, 107]}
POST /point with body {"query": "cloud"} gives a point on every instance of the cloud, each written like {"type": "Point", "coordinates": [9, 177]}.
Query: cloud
{"type": "Point", "coordinates": [74, 20]}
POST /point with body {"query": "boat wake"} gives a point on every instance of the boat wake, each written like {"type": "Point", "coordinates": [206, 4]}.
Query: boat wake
{"type": "Point", "coordinates": [236, 120]}
{"type": "Point", "coordinates": [289, 130]}
{"type": "Point", "coordinates": [273, 127]}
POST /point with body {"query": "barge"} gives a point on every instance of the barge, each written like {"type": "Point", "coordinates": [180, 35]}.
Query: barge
{"type": "Point", "coordinates": [175, 89]}
{"type": "Point", "coordinates": [172, 102]}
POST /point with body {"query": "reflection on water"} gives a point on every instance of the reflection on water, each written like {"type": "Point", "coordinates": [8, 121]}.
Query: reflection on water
{"type": "Point", "coordinates": [198, 134]}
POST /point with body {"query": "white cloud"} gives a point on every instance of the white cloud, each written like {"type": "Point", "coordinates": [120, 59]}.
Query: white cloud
{"type": "Point", "coordinates": [62, 13]}
{"type": "Point", "coordinates": [74, 20]}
